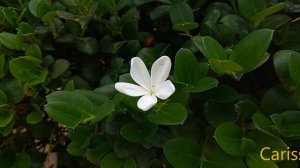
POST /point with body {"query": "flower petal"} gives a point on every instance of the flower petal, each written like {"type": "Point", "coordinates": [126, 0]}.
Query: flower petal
{"type": "Point", "coordinates": [146, 102]}
{"type": "Point", "coordinates": [130, 89]}
{"type": "Point", "coordinates": [139, 73]}
{"type": "Point", "coordinates": [165, 90]}
{"type": "Point", "coordinates": [160, 71]}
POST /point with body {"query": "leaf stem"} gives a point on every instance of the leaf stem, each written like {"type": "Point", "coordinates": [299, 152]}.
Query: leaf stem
{"type": "Point", "coordinates": [203, 152]}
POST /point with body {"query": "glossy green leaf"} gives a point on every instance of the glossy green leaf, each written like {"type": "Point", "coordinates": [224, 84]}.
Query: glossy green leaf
{"type": "Point", "coordinates": [34, 50]}
{"type": "Point", "coordinates": [224, 94]}
{"type": "Point", "coordinates": [264, 124]}
{"type": "Point", "coordinates": [2, 66]}
{"type": "Point", "coordinates": [229, 137]}
{"type": "Point", "coordinates": [25, 70]}
{"type": "Point", "coordinates": [247, 53]}
{"type": "Point", "coordinates": [281, 61]}
{"type": "Point", "coordinates": [34, 117]}
{"type": "Point", "coordinates": [265, 140]}
{"type": "Point", "coordinates": [112, 161]}
{"type": "Point", "coordinates": [5, 117]}
{"type": "Point", "coordinates": [249, 8]}
{"type": "Point", "coordinates": [277, 100]}
{"type": "Point", "coordinates": [217, 158]}
{"type": "Point", "coordinates": [23, 160]}
{"type": "Point", "coordinates": [267, 12]}
{"type": "Point", "coordinates": [87, 45]}
{"type": "Point", "coordinates": [186, 67]}
{"type": "Point", "coordinates": [59, 67]}
{"type": "Point", "coordinates": [69, 108]}
{"type": "Point", "coordinates": [225, 66]}
{"type": "Point", "coordinates": [169, 114]}
{"type": "Point", "coordinates": [274, 21]}
{"type": "Point", "coordinates": [212, 48]}
{"type": "Point", "coordinates": [293, 66]}
{"type": "Point", "coordinates": [74, 148]}
{"type": "Point", "coordinates": [11, 41]}
{"type": "Point", "coordinates": [289, 123]}
{"type": "Point", "coordinates": [181, 94]}
{"type": "Point", "coordinates": [237, 24]}
{"type": "Point", "coordinates": [25, 29]}
{"type": "Point", "coordinates": [204, 84]}
{"type": "Point", "coordinates": [254, 161]}
{"type": "Point", "coordinates": [103, 111]}
{"type": "Point", "coordinates": [13, 90]}
{"type": "Point", "coordinates": [218, 113]}
{"type": "Point", "coordinates": [136, 132]}
{"type": "Point", "coordinates": [182, 152]}
{"type": "Point", "coordinates": [3, 98]}
{"type": "Point", "coordinates": [182, 16]}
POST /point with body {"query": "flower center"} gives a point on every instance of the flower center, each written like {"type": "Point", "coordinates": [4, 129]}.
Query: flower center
{"type": "Point", "coordinates": [151, 91]}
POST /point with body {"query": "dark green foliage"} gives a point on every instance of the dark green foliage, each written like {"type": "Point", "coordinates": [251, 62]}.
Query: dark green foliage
{"type": "Point", "coordinates": [235, 68]}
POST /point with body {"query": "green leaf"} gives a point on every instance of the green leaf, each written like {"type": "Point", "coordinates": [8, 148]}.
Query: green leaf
{"type": "Point", "coordinates": [274, 21]}
{"type": "Point", "coordinates": [204, 84]}
{"type": "Point", "coordinates": [182, 16]}
{"type": "Point", "coordinates": [265, 140]}
{"type": "Point", "coordinates": [185, 26]}
{"type": "Point", "coordinates": [5, 117]}
{"type": "Point", "coordinates": [186, 67]}
{"type": "Point", "coordinates": [217, 158]}
{"type": "Point", "coordinates": [294, 66]}
{"type": "Point", "coordinates": [289, 123]}
{"type": "Point", "coordinates": [112, 161]}
{"type": "Point", "coordinates": [267, 12]}
{"type": "Point", "coordinates": [264, 124]}
{"type": "Point", "coordinates": [211, 48]}
{"type": "Point", "coordinates": [181, 94]}
{"type": "Point", "coordinates": [283, 66]}
{"type": "Point", "coordinates": [169, 114]}
{"type": "Point", "coordinates": [129, 163]}
{"type": "Point", "coordinates": [218, 113]}
{"type": "Point", "coordinates": [3, 98]}
{"type": "Point", "coordinates": [74, 148]}
{"type": "Point", "coordinates": [43, 8]}
{"type": "Point", "coordinates": [82, 135]}
{"type": "Point", "coordinates": [247, 53]}
{"type": "Point", "coordinates": [2, 66]}
{"type": "Point", "coordinates": [34, 50]}
{"type": "Point", "coordinates": [229, 137]}
{"type": "Point", "coordinates": [25, 29]}
{"type": "Point", "coordinates": [225, 67]}
{"type": "Point", "coordinates": [34, 117]}
{"type": "Point", "coordinates": [277, 100]}
{"type": "Point", "coordinates": [59, 67]}
{"type": "Point", "coordinates": [249, 8]}
{"type": "Point", "coordinates": [13, 90]}
{"type": "Point", "coordinates": [99, 147]}
{"type": "Point", "coordinates": [103, 111]}
{"type": "Point", "coordinates": [69, 86]}
{"type": "Point", "coordinates": [68, 107]}
{"type": "Point", "coordinates": [136, 132]}
{"type": "Point", "coordinates": [11, 41]}
{"type": "Point", "coordinates": [23, 160]}
{"type": "Point", "coordinates": [224, 94]}
{"type": "Point", "coordinates": [255, 161]}
{"type": "Point", "coordinates": [87, 45]}
{"type": "Point", "coordinates": [25, 70]}
{"type": "Point", "coordinates": [297, 95]}
{"type": "Point", "coordinates": [237, 24]}
{"type": "Point", "coordinates": [32, 5]}
{"type": "Point", "coordinates": [182, 152]}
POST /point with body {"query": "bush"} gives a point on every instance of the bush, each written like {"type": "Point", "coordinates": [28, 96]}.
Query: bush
{"type": "Point", "coordinates": [232, 90]}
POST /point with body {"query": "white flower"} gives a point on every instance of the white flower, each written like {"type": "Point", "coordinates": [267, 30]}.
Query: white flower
{"type": "Point", "coordinates": [150, 87]}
